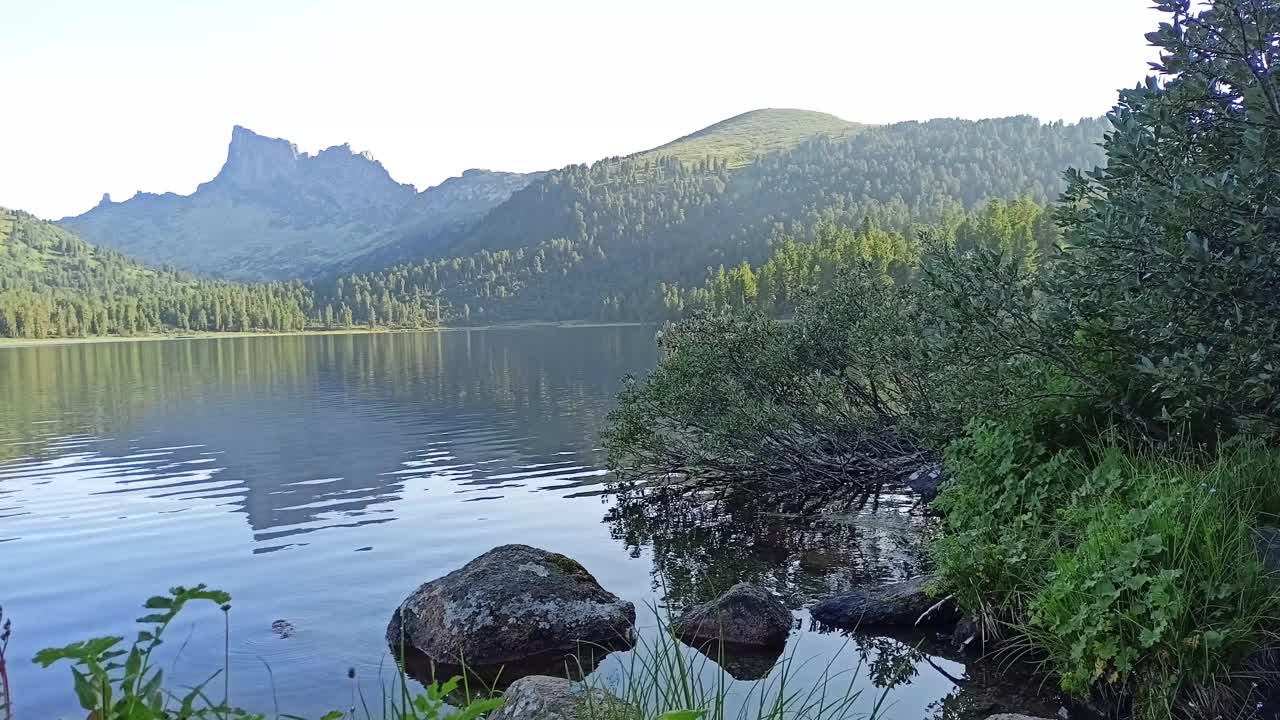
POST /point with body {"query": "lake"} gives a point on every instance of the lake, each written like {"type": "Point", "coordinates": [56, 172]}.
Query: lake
{"type": "Point", "coordinates": [319, 479]}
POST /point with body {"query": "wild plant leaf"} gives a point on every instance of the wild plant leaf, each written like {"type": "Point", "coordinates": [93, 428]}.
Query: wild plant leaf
{"type": "Point", "coordinates": [86, 693]}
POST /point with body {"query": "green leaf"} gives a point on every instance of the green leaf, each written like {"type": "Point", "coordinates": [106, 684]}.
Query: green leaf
{"type": "Point", "coordinates": [86, 692]}
{"type": "Point", "coordinates": [1213, 639]}
{"type": "Point", "coordinates": [1148, 637]}
{"type": "Point", "coordinates": [133, 666]}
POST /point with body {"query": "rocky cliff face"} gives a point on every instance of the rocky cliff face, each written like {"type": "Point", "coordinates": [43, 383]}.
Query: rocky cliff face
{"type": "Point", "coordinates": [272, 212]}
{"type": "Point", "coordinates": [255, 161]}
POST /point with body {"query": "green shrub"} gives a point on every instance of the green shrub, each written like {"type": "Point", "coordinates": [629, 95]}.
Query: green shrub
{"type": "Point", "coordinates": [1133, 574]}
{"type": "Point", "coordinates": [1003, 487]}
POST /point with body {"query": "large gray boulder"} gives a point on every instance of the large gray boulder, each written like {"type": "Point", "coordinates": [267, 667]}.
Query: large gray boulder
{"type": "Point", "coordinates": [510, 604]}
{"type": "Point", "coordinates": [745, 615]}
{"type": "Point", "coordinates": [896, 604]}
{"type": "Point", "coordinates": [541, 697]}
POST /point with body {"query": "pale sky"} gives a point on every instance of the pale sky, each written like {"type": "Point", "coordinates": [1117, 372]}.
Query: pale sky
{"type": "Point", "coordinates": [135, 95]}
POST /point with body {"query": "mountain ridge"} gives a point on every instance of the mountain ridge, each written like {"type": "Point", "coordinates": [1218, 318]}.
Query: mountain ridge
{"type": "Point", "coordinates": [272, 212]}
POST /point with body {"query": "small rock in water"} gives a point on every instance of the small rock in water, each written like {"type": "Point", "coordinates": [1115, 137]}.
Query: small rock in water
{"type": "Point", "coordinates": [744, 615]}
{"type": "Point", "coordinates": [896, 604]}
{"type": "Point", "coordinates": [282, 628]}
{"type": "Point", "coordinates": [542, 697]}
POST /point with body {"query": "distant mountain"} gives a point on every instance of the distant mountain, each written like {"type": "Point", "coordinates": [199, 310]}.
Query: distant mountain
{"type": "Point", "coordinates": [275, 213]}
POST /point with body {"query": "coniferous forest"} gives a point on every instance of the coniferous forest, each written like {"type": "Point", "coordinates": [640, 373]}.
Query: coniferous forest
{"type": "Point", "coordinates": [620, 240]}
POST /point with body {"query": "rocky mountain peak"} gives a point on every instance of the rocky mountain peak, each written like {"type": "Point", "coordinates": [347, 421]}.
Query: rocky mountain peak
{"type": "Point", "coordinates": [255, 161]}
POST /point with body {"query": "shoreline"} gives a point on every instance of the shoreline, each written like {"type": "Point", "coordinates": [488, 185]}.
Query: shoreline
{"type": "Point", "coordinates": [13, 343]}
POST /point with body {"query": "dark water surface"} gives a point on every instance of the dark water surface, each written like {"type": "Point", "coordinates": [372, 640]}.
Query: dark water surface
{"type": "Point", "coordinates": [320, 479]}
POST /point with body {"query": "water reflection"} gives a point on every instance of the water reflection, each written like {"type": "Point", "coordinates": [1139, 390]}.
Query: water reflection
{"type": "Point", "coordinates": [466, 403]}
{"type": "Point", "coordinates": [701, 547]}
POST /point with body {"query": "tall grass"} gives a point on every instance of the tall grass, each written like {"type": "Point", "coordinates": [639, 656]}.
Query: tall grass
{"type": "Point", "coordinates": [665, 678]}
{"type": "Point", "coordinates": [1135, 576]}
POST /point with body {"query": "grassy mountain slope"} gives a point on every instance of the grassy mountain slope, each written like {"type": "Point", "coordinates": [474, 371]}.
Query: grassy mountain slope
{"type": "Point", "coordinates": [41, 256]}
{"type": "Point", "coordinates": [741, 138]}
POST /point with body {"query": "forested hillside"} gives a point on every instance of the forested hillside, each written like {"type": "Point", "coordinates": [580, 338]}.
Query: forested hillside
{"type": "Point", "coordinates": [53, 284]}
{"type": "Point", "coordinates": [597, 241]}
{"type": "Point", "coordinates": [796, 271]}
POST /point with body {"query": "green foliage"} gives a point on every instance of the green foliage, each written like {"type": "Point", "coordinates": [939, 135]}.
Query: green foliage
{"type": "Point", "coordinates": [117, 684]}
{"type": "Point", "coordinates": [807, 410]}
{"type": "Point", "coordinates": [113, 683]}
{"type": "Point", "coordinates": [1137, 574]}
{"type": "Point", "coordinates": [795, 270]}
{"type": "Point", "coordinates": [996, 473]}
{"type": "Point", "coordinates": [1167, 296]}
{"type": "Point", "coordinates": [880, 360]}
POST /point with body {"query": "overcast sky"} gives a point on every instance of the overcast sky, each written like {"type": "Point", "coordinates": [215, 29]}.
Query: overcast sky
{"type": "Point", "coordinates": [132, 95]}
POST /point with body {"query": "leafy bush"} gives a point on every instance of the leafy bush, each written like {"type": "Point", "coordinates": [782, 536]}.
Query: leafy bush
{"type": "Point", "coordinates": [805, 411]}
{"type": "Point", "coordinates": [1168, 286]}
{"type": "Point", "coordinates": [1135, 574]}
{"type": "Point", "coordinates": [852, 393]}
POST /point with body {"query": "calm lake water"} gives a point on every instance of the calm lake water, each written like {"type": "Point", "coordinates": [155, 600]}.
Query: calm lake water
{"type": "Point", "coordinates": [320, 479]}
